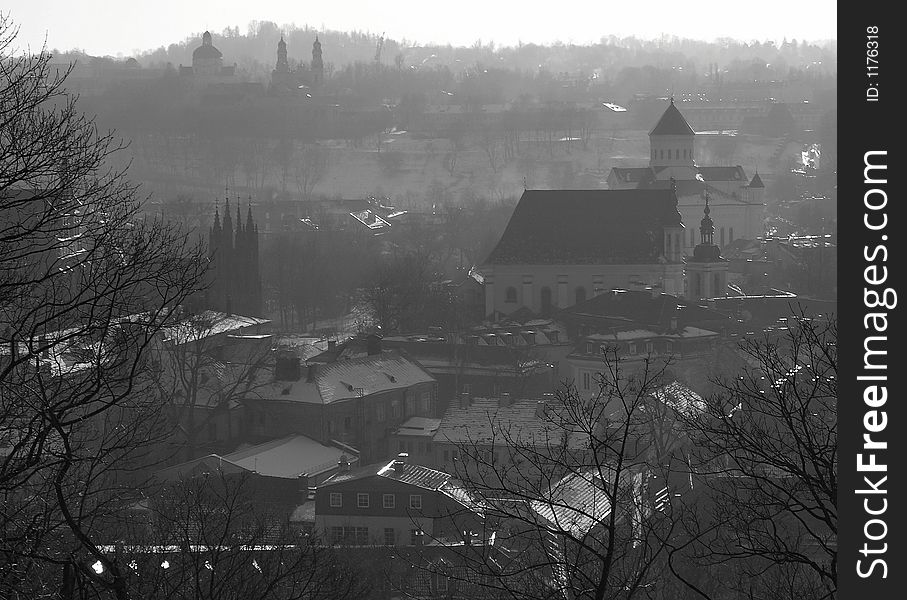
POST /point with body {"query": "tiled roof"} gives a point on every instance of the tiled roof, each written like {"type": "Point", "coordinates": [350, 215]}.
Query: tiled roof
{"type": "Point", "coordinates": [484, 421]}
{"type": "Point", "coordinates": [346, 379]}
{"type": "Point", "coordinates": [411, 474]}
{"type": "Point", "coordinates": [207, 324]}
{"type": "Point", "coordinates": [633, 174]}
{"type": "Point", "coordinates": [680, 398]}
{"type": "Point", "coordinates": [672, 123]}
{"type": "Point", "coordinates": [587, 227]}
{"type": "Point", "coordinates": [576, 503]}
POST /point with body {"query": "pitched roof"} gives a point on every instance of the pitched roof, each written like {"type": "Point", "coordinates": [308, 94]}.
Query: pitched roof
{"type": "Point", "coordinates": [633, 174]}
{"type": "Point", "coordinates": [672, 123]}
{"type": "Point", "coordinates": [422, 426]}
{"type": "Point", "coordinates": [484, 421]}
{"type": "Point", "coordinates": [346, 379]}
{"type": "Point", "coordinates": [587, 227]}
{"type": "Point", "coordinates": [286, 458]}
{"type": "Point", "coordinates": [756, 181]}
{"type": "Point", "coordinates": [576, 503]}
{"type": "Point", "coordinates": [735, 173]}
{"type": "Point", "coordinates": [412, 474]}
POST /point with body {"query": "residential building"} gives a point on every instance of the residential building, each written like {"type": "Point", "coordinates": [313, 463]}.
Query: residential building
{"type": "Point", "coordinates": [397, 503]}
{"type": "Point", "coordinates": [358, 401]}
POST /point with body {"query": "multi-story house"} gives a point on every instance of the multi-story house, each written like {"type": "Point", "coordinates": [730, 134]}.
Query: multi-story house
{"type": "Point", "coordinates": [395, 504]}
{"type": "Point", "coordinates": [358, 402]}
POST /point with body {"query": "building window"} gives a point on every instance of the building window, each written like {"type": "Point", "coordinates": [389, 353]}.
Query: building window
{"type": "Point", "coordinates": [336, 535]}
{"type": "Point", "coordinates": [395, 409]}
{"type": "Point", "coordinates": [347, 424]}
{"type": "Point", "coordinates": [336, 499]}
{"type": "Point", "coordinates": [730, 236]}
{"type": "Point", "coordinates": [362, 500]}
{"type": "Point", "coordinates": [650, 347]}
{"type": "Point", "coordinates": [442, 583]}
{"type": "Point", "coordinates": [390, 536]}
{"type": "Point", "coordinates": [415, 501]}
{"type": "Point", "coordinates": [446, 456]}
{"type": "Point", "coordinates": [632, 348]}
{"type": "Point", "coordinates": [425, 402]}
{"type": "Point", "coordinates": [389, 501]}
{"type": "Point", "coordinates": [580, 294]}
{"type": "Point", "coordinates": [587, 381]}
{"type": "Point", "coordinates": [380, 413]}
{"type": "Point", "coordinates": [510, 295]}
{"type": "Point", "coordinates": [661, 155]}
{"type": "Point", "coordinates": [414, 536]}
{"type": "Point", "coordinates": [722, 237]}
{"type": "Point", "coordinates": [590, 347]}
{"type": "Point", "coordinates": [669, 346]}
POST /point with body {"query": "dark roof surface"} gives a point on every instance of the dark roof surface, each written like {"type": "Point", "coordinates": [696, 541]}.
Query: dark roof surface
{"type": "Point", "coordinates": [756, 182]}
{"type": "Point", "coordinates": [640, 308]}
{"type": "Point", "coordinates": [587, 227]}
{"type": "Point", "coordinates": [672, 123]}
{"type": "Point", "coordinates": [206, 52]}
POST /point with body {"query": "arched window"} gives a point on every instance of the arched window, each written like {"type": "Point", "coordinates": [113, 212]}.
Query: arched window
{"type": "Point", "coordinates": [580, 294]}
{"type": "Point", "coordinates": [510, 295]}
{"type": "Point", "coordinates": [661, 155]}
{"type": "Point", "coordinates": [546, 301]}
{"type": "Point", "coordinates": [653, 154]}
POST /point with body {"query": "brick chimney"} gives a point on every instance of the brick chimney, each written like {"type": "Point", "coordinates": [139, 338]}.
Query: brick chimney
{"type": "Point", "coordinates": [400, 461]}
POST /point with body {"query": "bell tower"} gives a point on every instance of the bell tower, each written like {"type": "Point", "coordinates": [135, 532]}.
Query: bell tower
{"type": "Point", "coordinates": [706, 269]}
{"type": "Point", "coordinates": [671, 144]}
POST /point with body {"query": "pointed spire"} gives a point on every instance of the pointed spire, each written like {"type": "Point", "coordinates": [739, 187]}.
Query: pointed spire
{"type": "Point", "coordinates": [707, 226]}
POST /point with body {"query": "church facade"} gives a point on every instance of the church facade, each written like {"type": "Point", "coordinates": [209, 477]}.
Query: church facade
{"type": "Point", "coordinates": [235, 273]}
{"type": "Point", "coordinates": [736, 200]}
{"type": "Point", "coordinates": [564, 246]}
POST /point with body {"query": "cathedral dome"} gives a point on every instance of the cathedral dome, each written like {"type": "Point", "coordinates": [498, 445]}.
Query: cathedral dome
{"type": "Point", "coordinates": [207, 49]}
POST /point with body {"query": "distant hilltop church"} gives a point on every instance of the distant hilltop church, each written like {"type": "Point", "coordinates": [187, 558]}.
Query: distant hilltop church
{"type": "Point", "coordinates": [286, 81]}
{"type": "Point", "coordinates": [736, 200]}
{"type": "Point", "coordinates": [208, 62]}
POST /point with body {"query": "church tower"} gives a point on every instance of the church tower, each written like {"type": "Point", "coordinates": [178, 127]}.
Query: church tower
{"type": "Point", "coordinates": [283, 66]}
{"type": "Point", "coordinates": [706, 269]}
{"type": "Point", "coordinates": [671, 144]}
{"type": "Point", "coordinates": [317, 64]}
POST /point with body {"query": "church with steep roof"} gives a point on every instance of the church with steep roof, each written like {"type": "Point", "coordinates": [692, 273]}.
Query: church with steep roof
{"type": "Point", "coordinates": [287, 81]}
{"type": "Point", "coordinates": [564, 246]}
{"type": "Point", "coordinates": [736, 200]}
{"type": "Point", "coordinates": [235, 274]}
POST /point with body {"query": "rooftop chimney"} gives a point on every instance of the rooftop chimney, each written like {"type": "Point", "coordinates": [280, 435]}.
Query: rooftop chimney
{"type": "Point", "coordinates": [343, 464]}
{"type": "Point", "coordinates": [373, 344]}
{"type": "Point", "coordinates": [504, 400]}
{"type": "Point", "coordinates": [311, 372]}
{"type": "Point", "coordinates": [332, 345]}
{"type": "Point", "coordinates": [464, 400]}
{"type": "Point", "coordinates": [400, 461]}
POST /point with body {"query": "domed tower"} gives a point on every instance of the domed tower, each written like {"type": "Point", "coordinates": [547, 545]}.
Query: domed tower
{"type": "Point", "coordinates": [706, 270]}
{"type": "Point", "coordinates": [671, 146]}
{"type": "Point", "coordinates": [206, 59]}
{"type": "Point", "coordinates": [317, 64]}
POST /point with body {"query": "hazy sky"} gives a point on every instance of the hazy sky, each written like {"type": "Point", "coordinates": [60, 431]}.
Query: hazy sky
{"type": "Point", "coordinates": [102, 27]}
